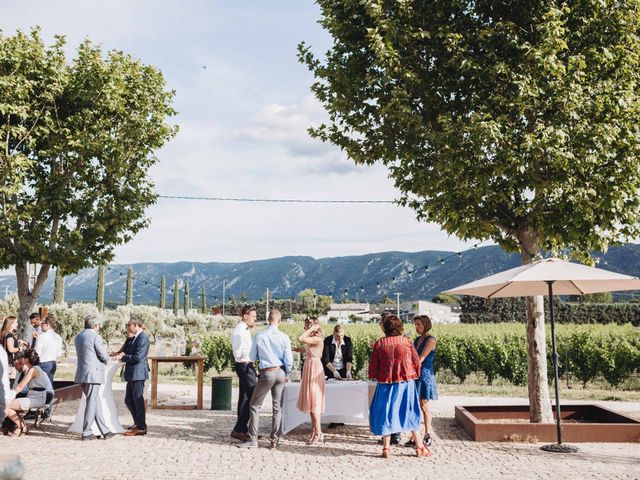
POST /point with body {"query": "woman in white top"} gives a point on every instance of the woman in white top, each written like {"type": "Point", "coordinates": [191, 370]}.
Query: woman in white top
{"type": "Point", "coordinates": [39, 385]}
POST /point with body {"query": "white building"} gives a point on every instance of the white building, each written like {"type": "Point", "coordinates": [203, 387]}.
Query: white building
{"type": "Point", "coordinates": [438, 312]}
{"type": "Point", "coordinates": [343, 312]}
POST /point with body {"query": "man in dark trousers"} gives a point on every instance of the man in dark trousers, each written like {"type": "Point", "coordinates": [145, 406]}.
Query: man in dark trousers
{"type": "Point", "coordinates": [136, 372]}
{"type": "Point", "coordinates": [241, 342]}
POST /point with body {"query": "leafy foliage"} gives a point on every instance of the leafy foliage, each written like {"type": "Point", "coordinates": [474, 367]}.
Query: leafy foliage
{"type": "Point", "coordinates": [77, 140]}
{"type": "Point", "coordinates": [497, 310]}
{"type": "Point", "coordinates": [218, 351]}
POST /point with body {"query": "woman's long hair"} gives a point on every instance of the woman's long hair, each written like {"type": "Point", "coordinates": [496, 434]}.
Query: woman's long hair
{"type": "Point", "coordinates": [6, 327]}
{"type": "Point", "coordinates": [310, 322]}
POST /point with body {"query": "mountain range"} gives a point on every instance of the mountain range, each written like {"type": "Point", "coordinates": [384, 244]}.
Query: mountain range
{"type": "Point", "coordinates": [370, 277]}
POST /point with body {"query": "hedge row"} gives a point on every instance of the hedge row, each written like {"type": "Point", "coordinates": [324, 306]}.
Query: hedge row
{"type": "Point", "coordinates": [497, 310]}
{"type": "Point", "coordinates": [612, 352]}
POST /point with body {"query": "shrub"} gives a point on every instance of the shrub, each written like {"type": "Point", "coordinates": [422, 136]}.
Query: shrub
{"type": "Point", "coordinates": [217, 351]}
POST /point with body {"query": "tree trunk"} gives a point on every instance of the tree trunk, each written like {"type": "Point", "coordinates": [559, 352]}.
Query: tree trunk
{"type": "Point", "coordinates": [539, 400]}
{"type": "Point", "coordinates": [28, 297]}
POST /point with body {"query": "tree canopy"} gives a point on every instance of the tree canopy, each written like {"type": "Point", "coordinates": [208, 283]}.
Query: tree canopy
{"type": "Point", "coordinates": [515, 121]}
{"type": "Point", "coordinates": [77, 139]}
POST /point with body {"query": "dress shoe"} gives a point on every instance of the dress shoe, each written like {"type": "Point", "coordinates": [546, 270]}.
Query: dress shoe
{"type": "Point", "coordinates": [135, 432]}
{"type": "Point", "coordinates": [395, 439]}
{"type": "Point", "coordinates": [243, 437]}
{"type": "Point", "coordinates": [108, 435]}
{"type": "Point", "coordinates": [89, 437]}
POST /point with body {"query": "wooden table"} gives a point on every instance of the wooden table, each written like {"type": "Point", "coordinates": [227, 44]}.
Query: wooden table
{"type": "Point", "coordinates": [154, 381]}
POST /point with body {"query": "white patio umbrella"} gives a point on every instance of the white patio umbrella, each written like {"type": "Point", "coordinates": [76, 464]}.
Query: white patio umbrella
{"type": "Point", "coordinates": [548, 277]}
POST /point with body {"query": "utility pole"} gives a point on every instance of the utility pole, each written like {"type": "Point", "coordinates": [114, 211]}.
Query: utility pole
{"type": "Point", "coordinates": [223, 287]}
{"type": "Point", "coordinates": [398, 303]}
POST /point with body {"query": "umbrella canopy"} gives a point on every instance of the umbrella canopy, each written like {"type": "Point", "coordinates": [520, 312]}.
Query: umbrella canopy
{"type": "Point", "coordinates": [532, 279]}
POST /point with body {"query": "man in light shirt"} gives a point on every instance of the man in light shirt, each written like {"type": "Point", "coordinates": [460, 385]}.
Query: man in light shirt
{"type": "Point", "coordinates": [241, 342]}
{"type": "Point", "coordinates": [273, 349]}
{"type": "Point", "coordinates": [49, 347]}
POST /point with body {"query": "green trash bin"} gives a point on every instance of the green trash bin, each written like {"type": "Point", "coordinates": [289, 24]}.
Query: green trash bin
{"type": "Point", "coordinates": [221, 393]}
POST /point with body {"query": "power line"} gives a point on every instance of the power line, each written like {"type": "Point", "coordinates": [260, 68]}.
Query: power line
{"type": "Point", "coordinates": [273, 200]}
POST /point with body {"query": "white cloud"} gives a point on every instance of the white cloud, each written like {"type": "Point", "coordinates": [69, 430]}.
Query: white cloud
{"type": "Point", "coordinates": [244, 110]}
{"type": "Point", "coordinates": [287, 126]}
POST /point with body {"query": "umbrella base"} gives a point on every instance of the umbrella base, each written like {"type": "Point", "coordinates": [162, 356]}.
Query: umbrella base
{"type": "Point", "coordinates": [559, 448]}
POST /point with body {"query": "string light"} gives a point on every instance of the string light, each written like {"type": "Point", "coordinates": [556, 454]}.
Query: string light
{"type": "Point", "coordinates": [396, 277]}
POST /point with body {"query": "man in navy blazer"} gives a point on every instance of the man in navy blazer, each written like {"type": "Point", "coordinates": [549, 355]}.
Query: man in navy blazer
{"type": "Point", "coordinates": [136, 371]}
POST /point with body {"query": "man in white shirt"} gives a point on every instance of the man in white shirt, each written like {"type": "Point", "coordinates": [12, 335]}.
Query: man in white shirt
{"type": "Point", "coordinates": [241, 342]}
{"type": "Point", "coordinates": [49, 347]}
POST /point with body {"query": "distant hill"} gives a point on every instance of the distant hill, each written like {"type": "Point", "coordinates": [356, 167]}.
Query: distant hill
{"type": "Point", "coordinates": [286, 276]}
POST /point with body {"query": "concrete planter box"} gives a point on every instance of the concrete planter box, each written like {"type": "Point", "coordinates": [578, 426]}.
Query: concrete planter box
{"type": "Point", "coordinates": [580, 423]}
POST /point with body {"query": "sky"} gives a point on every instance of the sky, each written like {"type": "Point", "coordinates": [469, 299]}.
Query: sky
{"type": "Point", "coordinates": [244, 106]}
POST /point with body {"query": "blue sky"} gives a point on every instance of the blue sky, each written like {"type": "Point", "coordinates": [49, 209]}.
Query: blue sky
{"type": "Point", "coordinates": [244, 107]}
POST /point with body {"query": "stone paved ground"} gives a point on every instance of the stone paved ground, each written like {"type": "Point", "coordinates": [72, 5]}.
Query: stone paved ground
{"type": "Point", "coordinates": [195, 445]}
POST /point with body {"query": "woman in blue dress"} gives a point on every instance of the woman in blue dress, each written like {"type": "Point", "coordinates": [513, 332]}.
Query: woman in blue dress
{"type": "Point", "coordinates": [426, 346]}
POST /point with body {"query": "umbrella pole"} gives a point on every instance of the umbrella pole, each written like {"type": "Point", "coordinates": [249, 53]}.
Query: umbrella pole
{"type": "Point", "coordinates": [557, 447]}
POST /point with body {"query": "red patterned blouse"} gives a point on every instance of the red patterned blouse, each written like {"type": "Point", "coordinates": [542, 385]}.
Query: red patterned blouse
{"type": "Point", "coordinates": [393, 360]}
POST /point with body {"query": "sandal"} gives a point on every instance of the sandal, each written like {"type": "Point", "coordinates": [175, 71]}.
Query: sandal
{"type": "Point", "coordinates": [423, 452]}
{"type": "Point", "coordinates": [385, 452]}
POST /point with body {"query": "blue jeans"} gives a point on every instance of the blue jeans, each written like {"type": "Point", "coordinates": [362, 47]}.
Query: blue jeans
{"type": "Point", "coordinates": [49, 368]}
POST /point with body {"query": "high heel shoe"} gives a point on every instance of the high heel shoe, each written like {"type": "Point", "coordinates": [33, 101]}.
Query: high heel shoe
{"type": "Point", "coordinates": [385, 452]}
{"type": "Point", "coordinates": [423, 452]}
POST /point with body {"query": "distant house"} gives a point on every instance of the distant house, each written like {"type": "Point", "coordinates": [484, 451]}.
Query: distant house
{"type": "Point", "coordinates": [343, 312]}
{"type": "Point", "coordinates": [440, 313]}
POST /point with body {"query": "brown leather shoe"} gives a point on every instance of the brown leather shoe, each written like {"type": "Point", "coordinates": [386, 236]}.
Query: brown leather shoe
{"type": "Point", "coordinates": [134, 432]}
{"type": "Point", "coordinates": [243, 437]}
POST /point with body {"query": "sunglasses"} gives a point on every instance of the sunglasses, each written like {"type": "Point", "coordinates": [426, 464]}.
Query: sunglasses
{"type": "Point", "coordinates": [248, 309]}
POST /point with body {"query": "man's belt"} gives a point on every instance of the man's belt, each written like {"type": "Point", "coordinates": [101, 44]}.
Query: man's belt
{"type": "Point", "coordinates": [268, 369]}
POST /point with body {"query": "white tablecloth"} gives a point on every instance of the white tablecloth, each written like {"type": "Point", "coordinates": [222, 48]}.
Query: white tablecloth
{"type": "Point", "coordinates": [345, 402]}
{"type": "Point", "coordinates": [108, 403]}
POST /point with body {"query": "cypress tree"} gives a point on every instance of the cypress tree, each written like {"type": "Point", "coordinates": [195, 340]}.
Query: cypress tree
{"type": "Point", "coordinates": [129, 295]}
{"type": "Point", "coordinates": [58, 287]}
{"type": "Point", "coordinates": [100, 289]}
{"type": "Point", "coordinates": [204, 301]}
{"type": "Point", "coordinates": [163, 288]}
{"type": "Point", "coordinates": [186, 298]}
{"type": "Point", "coordinates": [176, 297]}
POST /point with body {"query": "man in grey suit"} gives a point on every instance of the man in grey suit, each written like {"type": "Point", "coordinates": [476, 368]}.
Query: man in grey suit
{"type": "Point", "coordinates": [92, 357]}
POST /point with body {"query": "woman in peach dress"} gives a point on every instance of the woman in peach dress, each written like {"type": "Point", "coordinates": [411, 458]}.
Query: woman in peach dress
{"type": "Point", "coordinates": [311, 398]}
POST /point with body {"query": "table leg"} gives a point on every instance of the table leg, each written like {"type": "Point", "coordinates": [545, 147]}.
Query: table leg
{"type": "Point", "coordinates": [200, 383]}
{"type": "Point", "coordinates": [154, 384]}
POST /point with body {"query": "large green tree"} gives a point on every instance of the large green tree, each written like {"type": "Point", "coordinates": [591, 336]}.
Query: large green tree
{"type": "Point", "coordinates": [515, 121]}
{"type": "Point", "coordinates": [77, 138]}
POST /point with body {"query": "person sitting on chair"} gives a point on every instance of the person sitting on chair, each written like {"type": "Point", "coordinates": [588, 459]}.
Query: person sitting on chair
{"type": "Point", "coordinates": [40, 391]}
